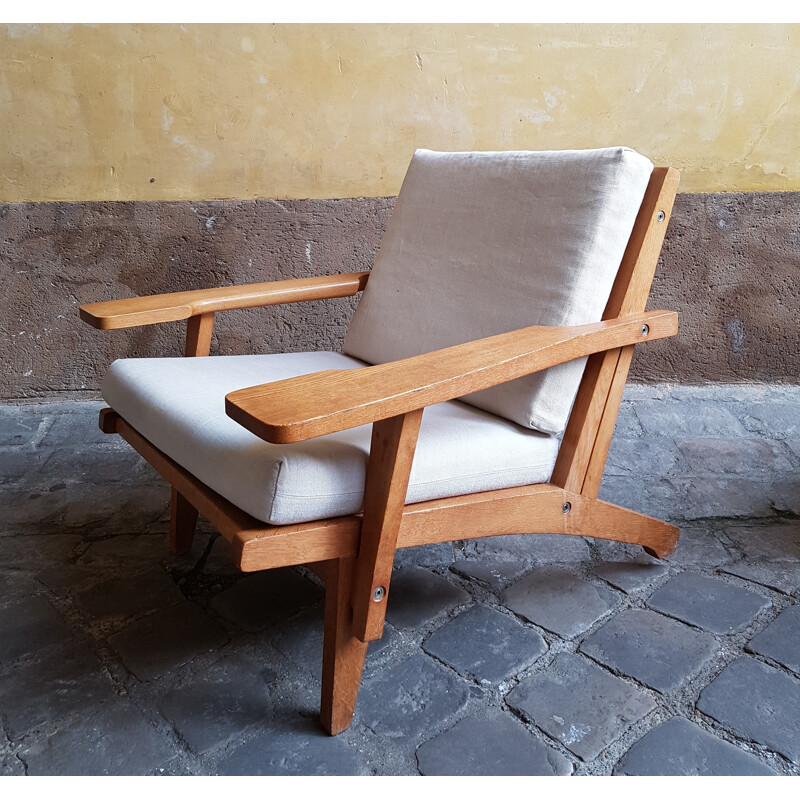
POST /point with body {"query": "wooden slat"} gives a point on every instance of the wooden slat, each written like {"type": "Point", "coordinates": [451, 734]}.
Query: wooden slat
{"type": "Point", "coordinates": [390, 458]}
{"type": "Point", "coordinates": [115, 314]}
{"type": "Point", "coordinates": [324, 402]}
{"type": "Point", "coordinates": [583, 451]}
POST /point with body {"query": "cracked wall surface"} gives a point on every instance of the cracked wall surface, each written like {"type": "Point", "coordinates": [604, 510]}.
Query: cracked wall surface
{"type": "Point", "coordinates": [729, 267]}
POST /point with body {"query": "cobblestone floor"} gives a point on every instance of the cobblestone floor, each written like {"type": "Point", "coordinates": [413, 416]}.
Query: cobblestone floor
{"type": "Point", "coordinates": [513, 655]}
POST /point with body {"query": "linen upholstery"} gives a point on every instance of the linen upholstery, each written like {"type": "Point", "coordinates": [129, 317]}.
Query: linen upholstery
{"type": "Point", "coordinates": [178, 405]}
{"type": "Point", "coordinates": [485, 243]}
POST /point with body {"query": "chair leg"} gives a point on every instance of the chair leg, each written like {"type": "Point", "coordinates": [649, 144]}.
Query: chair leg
{"type": "Point", "coordinates": [342, 653]}
{"type": "Point", "coordinates": [182, 522]}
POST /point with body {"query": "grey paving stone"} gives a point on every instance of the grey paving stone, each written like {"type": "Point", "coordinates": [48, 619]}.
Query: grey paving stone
{"type": "Point", "coordinates": [660, 652]}
{"type": "Point", "coordinates": [22, 424]}
{"type": "Point", "coordinates": [10, 765]}
{"type": "Point", "coordinates": [485, 645]}
{"type": "Point", "coordinates": [28, 626]}
{"type": "Point", "coordinates": [133, 596]}
{"type": "Point", "coordinates": [778, 542]}
{"type": "Point", "coordinates": [417, 596]}
{"type": "Point", "coordinates": [708, 603]}
{"type": "Point", "coordinates": [728, 497]}
{"type": "Point", "coordinates": [771, 713]}
{"type": "Point", "coordinates": [627, 425]}
{"type": "Point", "coordinates": [219, 561]}
{"type": "Point", "coordinates": [37, 550]}
{"type": "Point", "coordinates": [547, 548]}
{"type": "Point", "coordinates": [489, 743]}
{"type": "Point", "coordinates": [699, 546]}
{"type": "Point", "coordinates": [785, 496]}
{"type": "Point", "coordinates": [780, 640]}
{"type": "Point", "coordinates": [79, 422]}
{"type": "Point", "coordinates": [429, 555]}
{"type": "Point", "coordinates": [207, 714]}
{"type": "Point", "coordinates": [67, 680]}
{"type": "Point", "coordinates": [117, 740]}
{"type": "Point", "coordinates": [64, 578]}
{"type": "Point", "coordinates": [637, 457]}
{"type": "Point", "coordinates": [678, 747]}
{"type": "Point", "coordinates": [733, 456]}
{"type": "Point", "coordinates": [16, 464]}
{"type": "Point", "coordinates": [258, 601]}
{"type": "Point", "coordinates": [658, 497]}
{"type": "Point", "coordinates": [118, 507]}
{"type": "Point", "coordinates": [629, 576]}
{"type": "Point", "coordinates": [91, 465]}
{"type": "Point", "coordinates": [580, 704]}
{"type": "Point", "coordinates": [126, 551]}
{"type": "Point", "coordinates": [303, 750]}
{"type": "Point", "coordinates": [782, 577]}
{"type": "Point", "coordinates": [495, 573]}
{"type": "Point", "coordinates": [14, 585]}
{"type": "Point", "coordinates": [158, 643]}
{"type": "Point", "coordinates": [558, 601]}
{"type": "Point", "coordinates": [776, 419]}
{"type": "Point", "coordinates": [74, 505]}
{"type": "Point", "coordinates": [301, 640]}
{"type": "Point", "coordinates": [410, 698]}
{"type": "Point", "coordinates": [673, 418]}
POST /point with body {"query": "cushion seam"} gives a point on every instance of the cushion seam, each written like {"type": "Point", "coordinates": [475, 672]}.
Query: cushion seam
{"type": "Point", "coordinates": [420, 483]}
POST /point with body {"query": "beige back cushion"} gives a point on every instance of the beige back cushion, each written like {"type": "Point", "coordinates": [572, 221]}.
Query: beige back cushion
{"type": "Point", "coordinates": [484, 243]}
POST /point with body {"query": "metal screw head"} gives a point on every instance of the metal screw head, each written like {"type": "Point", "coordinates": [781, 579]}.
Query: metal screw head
{"type": "Point", "coordinates": [645, 330]}
{"type": "Point", "coordinates": [378, 594]}
{"type": "Point", "coordinates": [661, 216]}
{"type": "Point", "coordinates": [566, 508]}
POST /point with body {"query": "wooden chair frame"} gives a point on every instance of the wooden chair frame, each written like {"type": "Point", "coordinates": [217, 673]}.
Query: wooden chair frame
{"type": "Point", "coordinates": [354, 554]}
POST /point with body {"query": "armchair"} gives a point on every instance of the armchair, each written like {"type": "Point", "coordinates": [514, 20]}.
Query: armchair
{"type": "Point", "coordinates": [505, 302]}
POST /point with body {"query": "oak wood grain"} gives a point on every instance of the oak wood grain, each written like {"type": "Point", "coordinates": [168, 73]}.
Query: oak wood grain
{"type": "Point", "coordinates": [324, 402]}
{"type": "Point", "coordinates": [198, 335]}
{"type": "Point", "coordinates": [343, 653]}
{"type": "Point", "coordinates": [182, 523]}
{"type": "Point", "coordinates": [149, 310]}
{"type": "Point", "coordinates": [584, 447]}
{"type": "Point", "coordinates": [390, 458]}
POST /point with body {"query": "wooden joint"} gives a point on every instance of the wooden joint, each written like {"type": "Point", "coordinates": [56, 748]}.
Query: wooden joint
{"type": "Point", "coordinates": [199, 329]}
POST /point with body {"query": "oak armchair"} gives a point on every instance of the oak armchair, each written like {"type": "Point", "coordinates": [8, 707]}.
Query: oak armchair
{"type": "Point", "coordinates": [505, 302]}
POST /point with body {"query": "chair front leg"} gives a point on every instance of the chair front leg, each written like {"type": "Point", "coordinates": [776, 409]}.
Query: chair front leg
{"type": "Point", "coordinates": [343, 653]}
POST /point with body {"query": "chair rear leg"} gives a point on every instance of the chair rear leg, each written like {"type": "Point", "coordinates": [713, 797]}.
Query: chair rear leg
{"type": "Point", "coordinates": [343, 653]}
{"type": "Point", "coordinates": [182, 522]}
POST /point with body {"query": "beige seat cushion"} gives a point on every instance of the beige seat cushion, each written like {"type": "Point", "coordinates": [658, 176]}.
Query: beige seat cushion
{"type": "Point", "coordinates": [484, 243]}
{"type": "Point", "coordinates": [178, 404]}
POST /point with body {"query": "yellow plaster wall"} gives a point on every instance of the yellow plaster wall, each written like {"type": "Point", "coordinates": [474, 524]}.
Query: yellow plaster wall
{"type": "Point", "coordinates": [299, 111]}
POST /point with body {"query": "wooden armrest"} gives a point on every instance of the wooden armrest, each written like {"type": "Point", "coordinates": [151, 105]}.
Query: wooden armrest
{"type": "Point", "coordinates": [324, 402]}
{"type": "Point", "coordinates": [182, 305]}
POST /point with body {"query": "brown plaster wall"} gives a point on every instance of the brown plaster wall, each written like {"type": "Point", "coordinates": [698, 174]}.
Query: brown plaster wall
{"type": "Point", "coordinates": [730, 266]}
